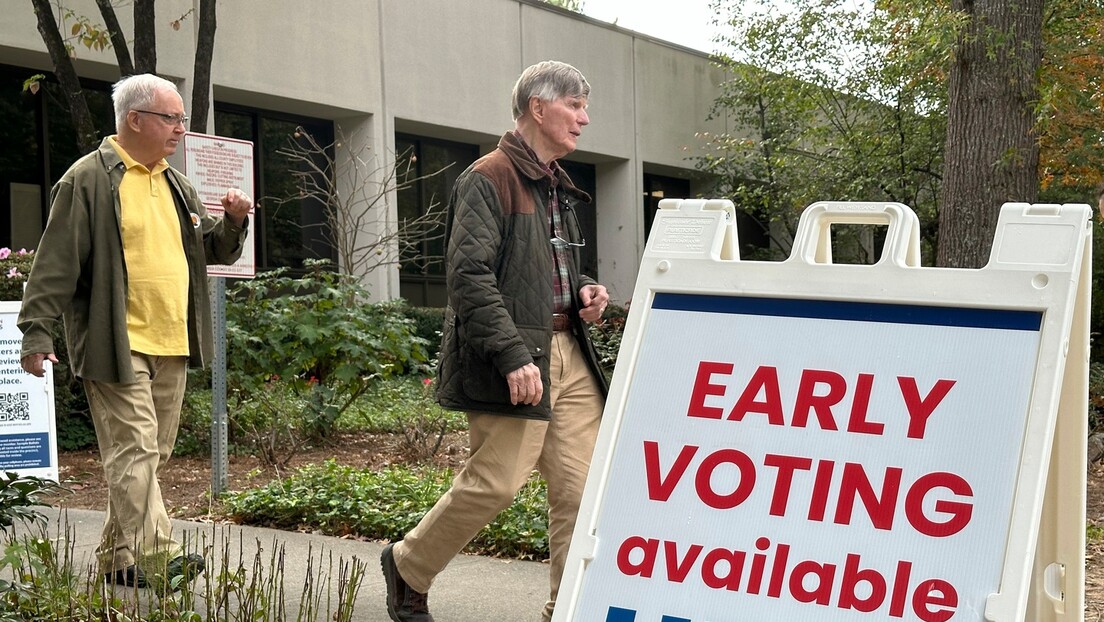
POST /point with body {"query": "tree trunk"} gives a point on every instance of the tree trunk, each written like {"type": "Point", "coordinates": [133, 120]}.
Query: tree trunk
{"type": "Point", "coordinates": [87, 139]}
{"type": "Point", "coordinates": [145, 37]}
{"type": "Point", "coordinates": [201, 78]}
{"type": "Point", "coordinates": [991, 155]}
{"type": "Point", "coordinates": [118, 39]}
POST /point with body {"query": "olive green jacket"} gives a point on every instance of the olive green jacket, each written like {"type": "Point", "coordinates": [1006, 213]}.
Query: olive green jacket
{"type": "Point", "coordinates": [79, 273]}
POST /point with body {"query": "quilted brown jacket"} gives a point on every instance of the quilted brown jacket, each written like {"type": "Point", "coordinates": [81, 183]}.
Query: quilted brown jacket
{"type": "Point", "coordinates": [499, 279]}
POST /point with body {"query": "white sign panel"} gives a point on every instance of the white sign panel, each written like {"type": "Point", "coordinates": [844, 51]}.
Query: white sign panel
{"type": "Point", "coordinates": [787, 459]}
{"type": "Point", "coordinates": [28, 434]}
{"type": "Point", "coordinates": [215, 164]}
{"type": "Point", "coordinates": [805, 440]}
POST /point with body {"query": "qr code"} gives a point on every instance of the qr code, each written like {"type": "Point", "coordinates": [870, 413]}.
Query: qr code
{"type": "Point", "coordinates": [15, 407]}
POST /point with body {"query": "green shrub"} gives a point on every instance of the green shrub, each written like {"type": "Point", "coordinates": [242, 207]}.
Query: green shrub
{"type": "Point", "coordinates": [14, 269]}
{"type": "Point", "coordinates": [385, 504]}
{"type": "Point", "coordinates": [389, 404]}
{"type": "Point", "coordinates": [428, 323]}
{"type": "Point", "coordinates": [193, 437]}
{"type": "Point", "coordinates": [607, 337]}
{"type": "Point", "coordinates": [21, 495]}
{"type": "Point", "coordinates": [315, 334]}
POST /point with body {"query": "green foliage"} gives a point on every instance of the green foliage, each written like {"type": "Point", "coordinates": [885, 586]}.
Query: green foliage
{"type": "Point", "coordinates": [834, 101]}
{"type": "Point", "coordinates": [20, 495]}
{"type": "Point", "coordinates": [15, 267]}
{"type": "Point", "coordinates": [428, 324]}
{"type": "Point", "coordinates": [1094, 533]}
{"type": "Point", "coordinates": [407, 407]}
{"type": "Point", "coordinates": [607, 337]}
{"type": "Point", "coordinates": [315, 335]}
{"type": "Point", "coordinates": [193, 437]}
{"type": "Point", "coordinates": [48, 583]}
{"type": "Point", "coordinates": [570, 5]}
{"type": "Point", "coordinates": [385, 504]}
{"type": "Point", "coordinates": [75, 430]}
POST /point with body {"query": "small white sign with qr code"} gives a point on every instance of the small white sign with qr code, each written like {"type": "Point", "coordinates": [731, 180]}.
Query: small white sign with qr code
{"type": "Point", "coordinates": [28, 433]}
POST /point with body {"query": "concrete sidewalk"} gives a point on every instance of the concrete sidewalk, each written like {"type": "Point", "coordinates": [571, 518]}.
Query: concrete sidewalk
{"type": "Point", "coordinates": [471, 589]}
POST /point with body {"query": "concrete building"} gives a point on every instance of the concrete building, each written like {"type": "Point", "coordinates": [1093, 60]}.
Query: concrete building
{"type": "Point", "coordinates": [430, 78]}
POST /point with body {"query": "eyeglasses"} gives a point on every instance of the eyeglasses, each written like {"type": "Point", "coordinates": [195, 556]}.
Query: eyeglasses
{"type": "Point", "coordinates": [557, 241]}
{"type": "Point", "coordinates": [168, 119]}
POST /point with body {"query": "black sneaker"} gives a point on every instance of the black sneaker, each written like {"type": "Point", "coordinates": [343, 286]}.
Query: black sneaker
{"type": "Point", "coordinates": [131, 576]}
{"type": "Point", "coordinates": [404, 604]}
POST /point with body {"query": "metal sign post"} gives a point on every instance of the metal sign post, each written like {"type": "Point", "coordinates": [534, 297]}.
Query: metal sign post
{"type": "Point", "coordinates": [214, 164]}
{"type": "Point", "coordinates": [220, 459]}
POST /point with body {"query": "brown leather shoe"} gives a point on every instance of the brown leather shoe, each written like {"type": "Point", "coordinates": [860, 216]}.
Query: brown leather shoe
{"type": "Point", "coordinates": [404, 604]}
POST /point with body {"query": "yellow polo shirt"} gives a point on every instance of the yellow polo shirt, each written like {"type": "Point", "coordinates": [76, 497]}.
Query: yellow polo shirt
{"type": "Point", "coordinates": [157, 270]}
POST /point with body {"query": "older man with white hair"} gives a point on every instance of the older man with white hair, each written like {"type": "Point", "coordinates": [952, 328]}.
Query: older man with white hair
{"type": "Point", "coordinates": [516, 355]}
{"type": "Point", "coordinates": [123, 261]}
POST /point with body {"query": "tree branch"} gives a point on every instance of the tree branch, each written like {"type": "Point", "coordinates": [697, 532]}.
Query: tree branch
{"type": "Point", "coordinates": [145, 37]}
{"type": "Point", "coordinates": [87, 138]}
{"type": "Point", "coordinates": [201, 79]}
{"type": "Point", "coordinates": [118, 40]}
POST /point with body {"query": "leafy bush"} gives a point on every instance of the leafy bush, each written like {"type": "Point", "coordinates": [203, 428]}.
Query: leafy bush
{"type": "Point", "coordinates": [385, 504]}
{"type": "Point", "coordinates": [21, 495]}
{"type": "Point", "coordinates": [193, 437]}
{"type": "Point", "coordinates": [405, 406]}
{"type": "Point", "coordinates": [316, 335]}
{"type": "Point", "coordinates": [607, 337]}
{"type": "Point", "coordinates": [14, 269]}
{"type": "Point", "coordinates": [428, 323]}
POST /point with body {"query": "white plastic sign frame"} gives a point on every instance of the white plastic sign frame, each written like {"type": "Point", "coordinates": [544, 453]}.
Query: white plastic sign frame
{"type": "Point", "coordinates": [28, 430]}
{"type": "Point", "coordinates": [804, 440]}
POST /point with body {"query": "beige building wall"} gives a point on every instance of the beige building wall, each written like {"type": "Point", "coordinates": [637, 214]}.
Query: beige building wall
{"type": "Point", "coordinates": [439, 69]}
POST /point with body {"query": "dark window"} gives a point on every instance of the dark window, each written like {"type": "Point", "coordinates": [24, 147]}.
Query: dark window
{"type": "Point", "coordinates": [290, 227]}
{"type": "Point", "coordinates": [37, 146]}
{"type": "Point", "coordinates": [427, 168]}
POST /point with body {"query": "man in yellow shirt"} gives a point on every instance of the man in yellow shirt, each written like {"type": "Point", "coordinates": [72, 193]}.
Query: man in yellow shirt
{"type": "Point", "coordinates": [123, 260]}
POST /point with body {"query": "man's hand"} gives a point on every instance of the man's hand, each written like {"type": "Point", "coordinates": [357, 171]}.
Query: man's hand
{"type": "Point", "coordinates": [525, 385]}
{"type": "Point", "coordinates": [594, 299]}
{"type": "Point", "coordinates": [32, 363]}
{"type": "Point", "coordinates": [237, 205]}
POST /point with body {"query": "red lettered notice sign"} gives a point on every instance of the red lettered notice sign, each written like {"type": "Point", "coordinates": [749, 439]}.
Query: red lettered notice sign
{"type": "Point", "coordinates": [783, 459]}
{"type": "Point", "coordinates": [215, 164]}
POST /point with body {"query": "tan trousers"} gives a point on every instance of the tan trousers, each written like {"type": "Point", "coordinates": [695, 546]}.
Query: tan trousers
{"type": "Point", "coordinates": [136, 427]}
{"type": "Point", "coordinates": [504, 451]}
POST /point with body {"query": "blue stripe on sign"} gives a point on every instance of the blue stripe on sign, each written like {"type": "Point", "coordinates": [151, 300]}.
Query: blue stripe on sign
{"type": "Point", "coordinates": [673, 619]}
{"type": "Point", "coordinates": [853, 311]}
{"type": "Point", "coordinates": [617, 614]}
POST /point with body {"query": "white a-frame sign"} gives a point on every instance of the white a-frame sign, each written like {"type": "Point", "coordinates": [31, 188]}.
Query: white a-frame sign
{"type": "Point", "coordinates": [812, 441]}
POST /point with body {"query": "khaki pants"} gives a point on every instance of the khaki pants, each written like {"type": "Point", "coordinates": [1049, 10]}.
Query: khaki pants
{"type": "Point", "coordinates": [136, 427]}
{"type": "Point", "coordinates": [504, 451]}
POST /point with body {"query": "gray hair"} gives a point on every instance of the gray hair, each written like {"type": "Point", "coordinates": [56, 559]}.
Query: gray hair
{"type": "Point", "coordinates": [548, 81]}
{"type": "Point", "coordinates": [134, 92]}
